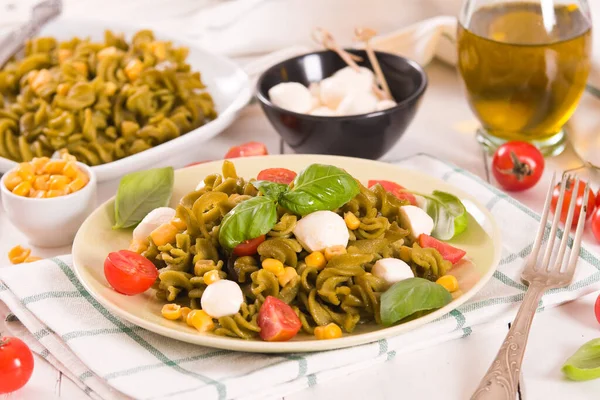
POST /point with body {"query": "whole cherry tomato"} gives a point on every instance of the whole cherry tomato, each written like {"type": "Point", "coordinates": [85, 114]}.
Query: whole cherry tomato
{"type": "Point", "coordinates": [597, 309]}
{"type": "Point", "coordinates": [591, 203]}
{"type": "Point", "coordinates": [16, 364]}
{"type": "Point", "coordinates": [596, 223]}
{"type": "Point", "coordinates": [248, 247]}
{"type": "Point", "coordinates": [247, 150]}
{"type": "Point", "coordinates": [277, 175]}
{"type": "Point", "coordinates": [517, 165]}
{"type": "Point", "coordinates": [128, 272]}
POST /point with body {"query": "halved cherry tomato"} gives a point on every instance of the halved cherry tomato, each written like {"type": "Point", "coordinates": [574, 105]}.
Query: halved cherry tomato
{"type": "Point", "coordinates": [447, 251]}
{"type": "Point", "coordinates": [591, 204]}
{"type": "Point", "coordinates": [16, 364]}
{"type": "Point", "coordinates": [248, 247]}
{"type": "Point", "coordinates": [395, 189]}
{"type": "Point", "coordinates": [277, 321]}
{"type": "Point", "coordinates": [517, 165]}
{"type": "Point", "coordinates": [247, 150]}
{"type": "Point", "coordinates": [196, 163]}
{"type": "Point", "coordinates": [277, 175]}
{"type": "Point", "coordinates": [128, 272]}
{"type": "Point", "coordinates": [597, 309]}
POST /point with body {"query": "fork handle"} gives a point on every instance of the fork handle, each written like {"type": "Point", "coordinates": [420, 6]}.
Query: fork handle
{"type": "Point", "coordinates": [501, 380]}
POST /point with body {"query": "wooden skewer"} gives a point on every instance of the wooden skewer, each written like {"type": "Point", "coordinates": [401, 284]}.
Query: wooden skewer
{"type": "Point", "coordinates": [325, 38]}
{"type": "Point", "coordinates": [365, 35]}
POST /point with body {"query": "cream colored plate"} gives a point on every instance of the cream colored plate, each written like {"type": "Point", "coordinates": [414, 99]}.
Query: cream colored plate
{"type": "Point", "coordinates": [96, 239]}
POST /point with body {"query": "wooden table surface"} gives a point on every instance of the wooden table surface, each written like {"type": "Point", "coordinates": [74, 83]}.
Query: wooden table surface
{"type": "Point", "coordinates": [443, 127]}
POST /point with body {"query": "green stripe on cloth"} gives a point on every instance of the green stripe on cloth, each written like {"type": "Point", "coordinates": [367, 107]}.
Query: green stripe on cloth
{"type": "Point", "coordinates": [391, 355]}
{"type": "Point", "coordinates": [41, 333]}
{"type": "Point", "coordinates": [312, 380]}
{"type": "Point", "coordinates": [383, 346]}
{"type": "Point", "coordinates": [49, 295]}
{"type": "Point", "coordinates": [302, 363]}
{"type": "Point", "coordinates": [2, 287]}
{"type": "Point", "coordinates": [95, 332]}
{"type": "Point", "coordinates": [221, 389]}
{"type": "Point", "coordinates": [508, 281]}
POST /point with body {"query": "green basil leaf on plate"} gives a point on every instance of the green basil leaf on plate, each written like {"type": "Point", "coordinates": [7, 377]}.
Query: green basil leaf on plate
{"type": "Point", "coordinates": [247, 220]}
{"type": "Point", "coordinates": [270, 189]}
{"type": "Point", "coordinates": [409, 296]}
{"type": "Point", "coordinates": [448, 213]}
{"type": "Point", "coordinates": [585, 363]}
{"type": "Point", "coordinates": [319, 187]}
{"type": "Point", "coordinates": [141, 192]}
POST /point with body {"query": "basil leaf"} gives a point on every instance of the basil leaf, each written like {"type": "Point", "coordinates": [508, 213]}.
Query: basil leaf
{"type": "Point", "coordinates": [585, 363]}
{"type": "Point", "coordinates": [319, 187]}
{"type": "Point", "coordinates": [270, 189]}
{"type": "Point", "coordinates": [141, 192]}
{"type": "Point", "coordinates": [409, 296]}
{"type": "Point", "coordinates": [448, 213]}
{"type": "Point", "coordinates": [247, 220]}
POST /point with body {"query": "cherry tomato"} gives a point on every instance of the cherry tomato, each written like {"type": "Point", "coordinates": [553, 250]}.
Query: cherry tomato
{"type": "Point", "coordinates": [277, 175]}
{"type": "Point", "coordinates": [395, 189]}
{"type": "Point", "coordinates": [196, 163]}
{"type": "Point", "coordinates": [596, 310]}
{"type": "Point", "coordinates": [128, 272]}
{"type": "Point", "coordinates": [596, 223]}
{"type": "Point", "coordinates": [568, 195]}
{"type": "Point", "coordinates": [16, 364]}
{"type": "Point", "coordinates": [248, 247]}
{"type": "Point", "coordinates": [598, 199]}
{"type": "Point", "coordinates": [247, 150]}
{"type": "Point", "coordinates": [277, 321]}
{"type": "Point", "coordinates": [517, 165]}
{"type": "Point", "coordinates": [447, 251]}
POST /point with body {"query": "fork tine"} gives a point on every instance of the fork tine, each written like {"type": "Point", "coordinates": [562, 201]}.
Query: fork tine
{"type": "Point", "coordinates": [574, 256]}
{"type": "Point", "coordinates": [542, 228]}
{"type": "Point", "coordinates": [555, 221]}
{"type": "Point", "coordinates": [568, 224]}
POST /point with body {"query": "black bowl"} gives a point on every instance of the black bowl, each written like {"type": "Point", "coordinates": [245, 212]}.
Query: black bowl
{"type": "Point", "coordinates": [365, 135]}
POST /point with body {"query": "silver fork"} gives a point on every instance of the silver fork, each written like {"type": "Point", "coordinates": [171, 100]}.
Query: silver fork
{"type": "Point", "coordinates": [501, 380]}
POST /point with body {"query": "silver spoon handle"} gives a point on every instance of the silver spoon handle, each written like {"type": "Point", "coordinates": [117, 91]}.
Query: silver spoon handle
{"type": "Point", "coordinates": [41, 14]}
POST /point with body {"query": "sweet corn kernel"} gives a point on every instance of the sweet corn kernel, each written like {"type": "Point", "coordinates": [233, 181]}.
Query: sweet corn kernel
{"type": "Point", "coordinates": [54, 167]}
{"type": "Point", "coordinates": [55, 193]}
{"type": "Point", "coordinates": [18, 254]}
{"type": "Point", "coordinates": [133, 69]}
{"type": "Point", "coordinates": [179, 224]}
{"type": "Point", "coordinates": [37, 194]}
{"type": "Point", "coordinates": [63, 88]}
{"type": "Point", "coordinates": [351, 221]}
{"type": "Point", "coordinates": [164, 234]}
{"type": "Point", "coordinates": [12, 180]}
{"type": "Point", "coordinates": [64, 155]}
{"type": "Point", "coordinates": [449, 282]}
{"type": "Point", "coordinates": [138, 246]}
{"type": "Point", "coordinates": [105, 52]}
{"type": "Point", "coordinates": [331, 331]}
{"type": "Point", "coordinates": [171, 311]}
{"type": "Point", "coordinates": [38, 163]}
{"type": "Point", "coordinates": [41, 80]}
{"type": "Point", "coordinates": [316, 259]}
{"type": "Point", "coordinates": [333, 251]}
{"type": "Point", "coordinates": [58, 182]}
{"type": "Point", "coordinates": [63, 55]}
{"type": "Point", "coordinates": [81, 67]}
{"type": "Point", "coordinates": [110, 88]}
{"type": "Point", "coordinates": [41, 182]}
{"type": "Point", "coordinates": [22, 189]}
{"type": "Point", "coordinates": [71, 170]}
{"type": "Point", "coordinates": [211, 277]}
{"type": "Point", "coordinates": [76, 184]}
{"type": "Point", "coordinates": [189, 316]}
{"type": "Point", "coordinates": [288, 274]}
{"type": "Point", "coordinates": [200, 320]}
{"type": "Point", "coordinates": [159, 49]}
{"type": "Point", "coordinates": [31, 259]}
{"type": "Point", "coordinates": [31, 76]}
{"type": "Point", "coordinates": [26, 172]}
{"type": "Point", "coordinates": [273, 265]}
{"type": "Point", "coordinates": [184, 313]}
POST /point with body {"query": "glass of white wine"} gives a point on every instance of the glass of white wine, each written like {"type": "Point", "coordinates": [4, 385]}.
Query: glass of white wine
{"type": "Point", "coordinates": [525, 65]}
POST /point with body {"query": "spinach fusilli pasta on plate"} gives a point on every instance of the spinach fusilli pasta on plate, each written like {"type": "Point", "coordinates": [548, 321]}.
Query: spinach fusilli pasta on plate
{"type": "Point", "coordinates": [101, 101]}
{"type": "Point", "coordinates": [244, 257]}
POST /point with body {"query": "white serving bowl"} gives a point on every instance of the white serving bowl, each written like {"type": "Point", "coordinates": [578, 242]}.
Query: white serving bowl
{"type": "Point", "coordinates": [50, 222]}
{"type": "Point", "coordinates": [226, 82]}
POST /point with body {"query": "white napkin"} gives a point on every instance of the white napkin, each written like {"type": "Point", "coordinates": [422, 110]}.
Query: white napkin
{"type": "Point", "coordinates": [110, 358]}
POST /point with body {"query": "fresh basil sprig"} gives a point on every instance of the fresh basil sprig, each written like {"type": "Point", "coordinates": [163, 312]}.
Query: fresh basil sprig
{"type": "Point", "coordinates": [585, 363]}
{"type": "Point", "coordinates": [141, 192]}
{"type": "Point", "coordinates": [410, 296]}
{"type": "Point", "coordinates": [270, 189]}
{"type": "Point", "coordinates": [319, 187]}
{"type": "Point", "coordinates": [448, 213]}
{"type": "Point", "coordinates": [247, 220]}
